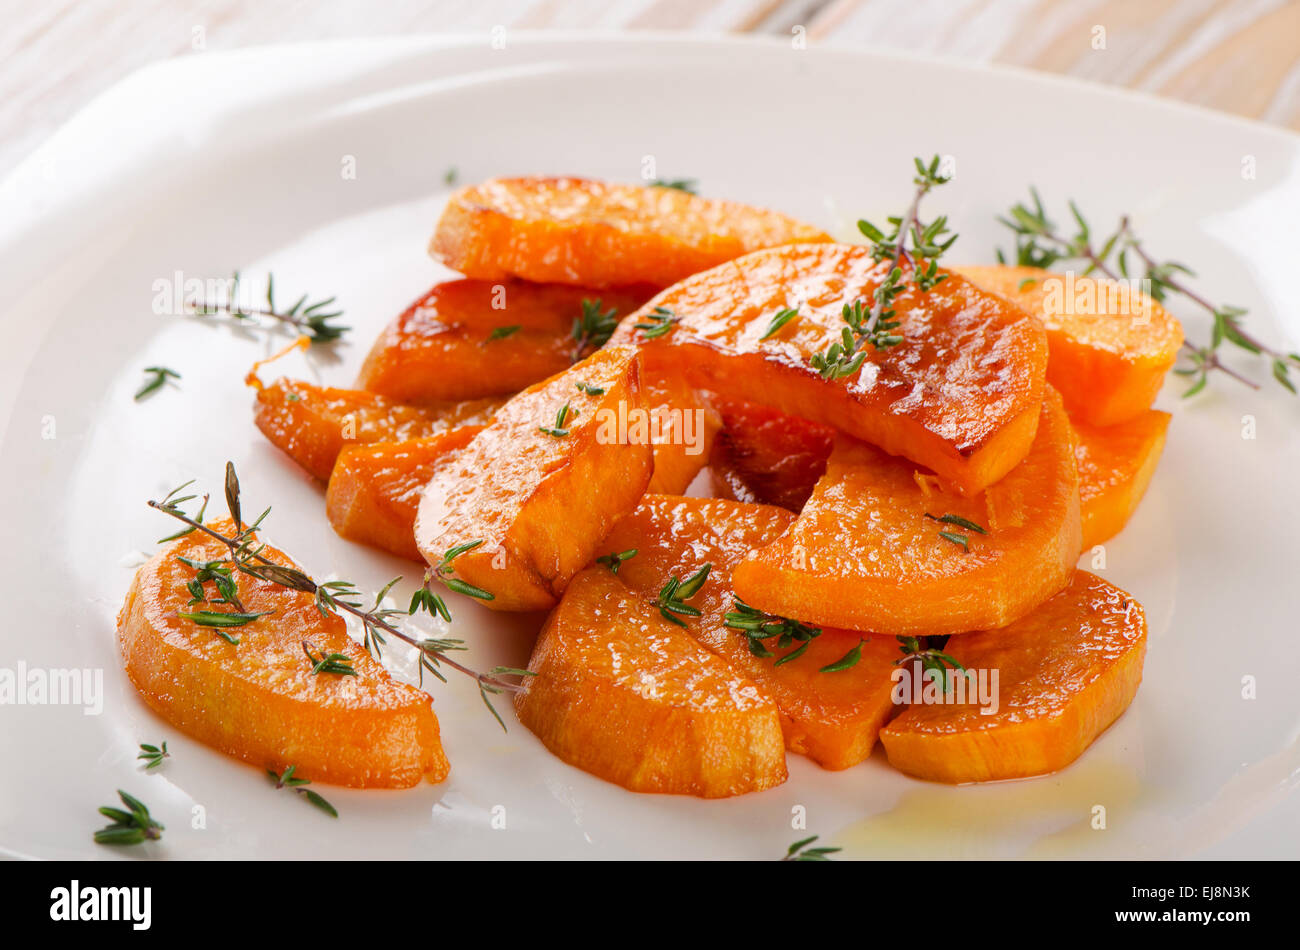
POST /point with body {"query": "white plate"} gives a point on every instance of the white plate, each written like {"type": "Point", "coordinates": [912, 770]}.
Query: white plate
{"type": "Point", "coordinates": [219, 161]}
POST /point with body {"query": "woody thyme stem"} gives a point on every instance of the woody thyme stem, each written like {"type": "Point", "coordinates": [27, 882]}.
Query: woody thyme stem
{"type": "Point", "coordinates": [365, 616]}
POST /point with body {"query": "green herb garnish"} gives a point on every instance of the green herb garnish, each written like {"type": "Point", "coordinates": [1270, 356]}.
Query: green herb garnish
{"type": "Point", "coordinates": [158, 375]}
{"type": "Point", "coordinates": [334, 597]}
{"type": "Point", "coordinates": [614, 561]}
{"type": "Point", "coordinates": [658, 322]}
{"type": "Point", "coordinates": [960, 522]}
{"type": "Point", "coordinates": [799, 851]}
{"type": "Point", "coordinates": [1120, 255]}
{"type": "Point", "coordinates": [132, 826]}
{"type": "Point", "coordinates": [760, 628]}
{"type": "Point", "coordinates": [929, 652]}
{"type": "Point", "coordinates": [309, 319]}
{"type": "Point", "coordinates": [559, 430]}
{"type": "Point", "coordinates": [687, 185]}
{"type": "Point", "coordinates": [875, 325]}
{"type": "Point", "coordinates": [593, 328]}
{"type": "Point", "coordinates": [674, 594]}
{"type": "Point", "coordinates": [846, 662]}
{"type": "Point", "coordinates": [153, 755]}
{"type": "Point", "coordinates": [287, 779]}
{"type": "Point", "coordinates": [782, 317]}
{"type": "Point", "coordinates": [338, 664]}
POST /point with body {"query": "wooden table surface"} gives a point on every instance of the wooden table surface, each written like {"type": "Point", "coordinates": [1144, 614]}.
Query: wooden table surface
{"type": "Point", "coordinates": [1240, 56]}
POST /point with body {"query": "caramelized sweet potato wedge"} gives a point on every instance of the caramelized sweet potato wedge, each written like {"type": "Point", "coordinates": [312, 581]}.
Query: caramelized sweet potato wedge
{"type": "Point", "coordinates": [541, 486]}
{"type": "Point", "coordinates": [374, 490]}
{"type": "Point", "coordinates": [683, 428]}
{"type": "Point", "coordinates": [1110, 345]}
{"type": "Point", "coordinates": [596, 234]}
{"type": "Point", "coordinates": [1115, 466]}
{"type": "Point", "coordinates": [311, 424]}
{"type": "Point", "coordinates": [833, 718]}
{"type": "Point", "coordinates": [867, 552]}
{"type": "Point", "coordinates": [1065, 673]}
{"type": "Point", "coordinates": [258, 699]}
{"type": "Point", "coordinates": [960, 394]}
{"type": "Point", "coordinates": [765, 456]}
{"type": "Point", "coordinates": [466, 339]}
{"type": "Point", "coordinates": [631, 698]}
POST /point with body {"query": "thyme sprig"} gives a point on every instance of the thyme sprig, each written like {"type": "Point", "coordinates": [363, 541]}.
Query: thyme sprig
{"type": "Point", "coordinates": [287, 779]}
{"type": "Point", "coordinates": [658, 322]}
{"type": "Point", "coordinates": [779, 320]}
{"type": "Point", "coordinates": [131, 826]}
{"type": "Point", "coordinates": [592, 328]}
{"type": "Point", "coordinates": [310, 319]}
{"type": "Point", "coordinates": [674, 594]}
{"type": "Point", "coordinates": [956, 538]}
{"type": "Point", "coordinates": [688, 185]}
{"type": "Point", "coordinates": [847, 661]}
{"type": "Point", "coordinates": [337, 596]}
{"type": "Point", "coordinates": [560, 429]}
{"type": "Point", "coordinates": [799, 851]}
{"type": "Point", "coordinates": [339, 664]}
{"type": "Point", "coordinates": [615, 561]}
{"type": "Point", "coordinates": [928, 651]}
{"type": "Point", "coordinates": [153, 755]}
{"type": "Point", "coordinates": [876, 325]}
{"type": "Point", "coordinates": [760, 627]}
{"type": "Point", "coordinates": [444, 570]}
{"type": "Point", "coordinates": [1121, 254]}
{"type": "Point", "coordinates": [157, 378]}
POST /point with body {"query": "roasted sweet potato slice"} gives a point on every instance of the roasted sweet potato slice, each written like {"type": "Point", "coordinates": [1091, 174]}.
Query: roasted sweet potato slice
{"type": "Point", "coordinates": [833, 718]}
{"type": "Point", "coordinates": [311, 424]}
{"type": "Point", "coordinates": [867, 552]}
{"type": "Point", "coordinates": [537, 490]}
{"type": "Point", "coordinates": [258, 699]}
{"type": "Point", "coordinates": [1065, 673]}
{"type": "Point", "coordinates": [960, 394]}
{"type": "Point", "coordinates": [466, 339]}
{"type": "Point", "coordinates": [628, 696]}
{"type": "Point", "coordinates": [374, 490]}
{"type": "Point", "coordinates": [1115, 466]}
{"type": "Point", "coordinates": [683, 428]}
{"type": "Point", "coordinates": [595, 234]}
{"type": "Point", "coordinates": [1110, 345]}
{"type": "Point", "coordinates": [765, 456]}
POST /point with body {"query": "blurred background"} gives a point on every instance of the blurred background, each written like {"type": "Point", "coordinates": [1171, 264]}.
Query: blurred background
{"type": "Point", "coordinates": [1239, 56]}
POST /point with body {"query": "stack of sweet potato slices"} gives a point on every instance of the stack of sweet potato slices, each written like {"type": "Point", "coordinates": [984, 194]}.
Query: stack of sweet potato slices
{"type": "Point", "coordinates": [553, 407]}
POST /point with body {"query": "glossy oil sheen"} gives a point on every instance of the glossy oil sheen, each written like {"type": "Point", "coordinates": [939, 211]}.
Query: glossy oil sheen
{"type": "Point", "coordinates": [863, 555]}
{"type": "Point", "coordinates": [632, 698]}
{"type": "Point", "coordinates": [258, 700]}
{"type": "Point", "coordinates": [311, 424]}
{"type": "Point", "coordinates": [1066, 672]}
{"type": "Point", "coordinates": [374, 490]}
{"type": "Point", "coordinates": [442, 348]}
{"type": "Point", "coordinates": [599, 234]}
{"type": "Point", "coordinates": [833, 718]}
{"type": "Point", "coordinates": [540, 503]}
{"type": "Point", "coordinates": [1115, 466]}
{"type": "Point", "coordinates": [959, 395]}
{"type": "Point", "coordinates": [1108, 357]}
